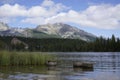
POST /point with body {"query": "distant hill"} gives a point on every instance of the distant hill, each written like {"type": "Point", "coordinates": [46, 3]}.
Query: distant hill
{"type": "Point", "coordinates": [57, 30]}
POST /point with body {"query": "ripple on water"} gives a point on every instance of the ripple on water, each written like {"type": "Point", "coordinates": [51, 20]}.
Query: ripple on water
{"type": "Point", "coordinates": [94, 76]}
{"type": "Point", "coordinates": [26, 76]}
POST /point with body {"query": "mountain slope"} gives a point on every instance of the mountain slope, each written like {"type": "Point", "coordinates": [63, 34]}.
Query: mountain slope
{"type": "Point", "coordinates": [65, 31]}
{"type": "Point", "coordinates": [37, 34]}
{"type": "Point", "coordinates": [57, 30]}
{"type": "Point", "coordinates": [5, 30]}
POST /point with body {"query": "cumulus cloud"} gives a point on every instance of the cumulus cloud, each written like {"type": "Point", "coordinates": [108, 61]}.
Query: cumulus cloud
{"type": "Point", "coordinates": [38, 14]}
{"type": "Point", "coordinates": [12, 11]}
{"type": "Point", "coordinates": [102, 16]}
{"type": "Point", "coordinates": [31, 15]}
{"type": "Point", "coordinates": [35, 20]}
{"type": "Point", "coordinates": [99, 16]}
{"type": "Point", "coordinates": [47, 3]}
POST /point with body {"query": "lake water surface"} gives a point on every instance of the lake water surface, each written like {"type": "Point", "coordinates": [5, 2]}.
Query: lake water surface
{"type": "Point", "coordinates": [106, 67]}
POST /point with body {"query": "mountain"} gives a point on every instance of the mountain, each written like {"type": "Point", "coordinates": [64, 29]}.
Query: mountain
{"type": "Point", "coordinates": [5, 30]}
{"type": "Point", "coordinates": [65, 31]}
{"type": "Point", "coordinates": [57, 30]}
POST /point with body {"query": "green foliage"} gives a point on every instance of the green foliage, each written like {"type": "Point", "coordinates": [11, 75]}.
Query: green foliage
{"type": "Point", "coordinates": [23, 58]}
{"type": "Point", "coordinates": [4, 58]}
{"type": "Point", "coordinates": [104, 45]}
{"type": "Point", "coordinates": [2, 45]}
{"type": "Point", "coordinates": [61, 45]}
{"type": "Point", "coordinates": [44, 44]}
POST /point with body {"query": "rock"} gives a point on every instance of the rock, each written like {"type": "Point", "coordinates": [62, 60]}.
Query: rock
{"type": "Point", "coordinates": [79, 69]}
{"type": "Point", "coordinates": [51, 63]}
{"type": "Point", "coordinates": [83, 64]}
{"type": "Point", "coordinates": [16, 42]}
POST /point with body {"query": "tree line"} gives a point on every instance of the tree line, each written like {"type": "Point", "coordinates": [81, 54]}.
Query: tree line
{"type": "Point", "coordinates": [104, 45]}
{"type": "Point", "coordinates": [60, 45]}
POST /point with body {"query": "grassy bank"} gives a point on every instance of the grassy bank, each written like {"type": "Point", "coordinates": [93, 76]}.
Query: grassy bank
{"type": "Point", "coordinates": [24, 58]}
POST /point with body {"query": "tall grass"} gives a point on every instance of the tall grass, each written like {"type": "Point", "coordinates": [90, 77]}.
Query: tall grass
{"type": "Point", "coordinates": [24, 58]}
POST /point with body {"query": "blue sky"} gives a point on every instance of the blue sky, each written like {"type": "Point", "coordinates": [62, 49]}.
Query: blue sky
{"type": "Point", "coordinates": [99, 17]}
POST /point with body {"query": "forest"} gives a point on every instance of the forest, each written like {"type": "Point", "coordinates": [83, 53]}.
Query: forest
{"type": "Point", "coordinates": [13, 43]}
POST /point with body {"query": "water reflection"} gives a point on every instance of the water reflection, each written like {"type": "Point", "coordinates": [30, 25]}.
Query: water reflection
{"type": "Point", "coordinates": [106, 67]}
{"type": "Point", "coordinates": [27, 73]}
{"type": "Point", "coordinates": [82, 69]}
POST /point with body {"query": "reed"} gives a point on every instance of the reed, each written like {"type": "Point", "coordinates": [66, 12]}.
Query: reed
{"type": "Point", "coordinates": [24, 58]}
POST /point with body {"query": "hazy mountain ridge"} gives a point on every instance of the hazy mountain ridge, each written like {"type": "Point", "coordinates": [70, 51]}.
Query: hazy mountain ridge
{"type": "Point", "coordinates": [57, 30]}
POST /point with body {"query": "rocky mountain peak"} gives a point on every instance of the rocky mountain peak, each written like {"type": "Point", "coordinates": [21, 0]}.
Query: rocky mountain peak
{"type": "Point", "coordinates": [65, 31]}
{"type": "Point", "coordinates": [56, 30]}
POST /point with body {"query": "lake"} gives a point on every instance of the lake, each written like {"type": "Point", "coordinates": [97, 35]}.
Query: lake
{"type": "Point", "coordinates": [106, 67]}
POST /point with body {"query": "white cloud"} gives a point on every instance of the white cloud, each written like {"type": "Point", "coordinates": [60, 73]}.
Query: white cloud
{"type": "Point", "coordinates": [38, 14]}
{"type": "Point", "coordinates": [47, 9]}
{"type": "Point", "coordinates": [12, 11]}
{"type": "Point", "coordinates": [102, 16]}
{"type": "Point", "coordinates": [99, 16]}
{"type": "Point", "coordinates": [47, 3]}
{"type": "Point", "coordinates": [36, 11]}
{"type": "Point", "coordinates": [35, 20]}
